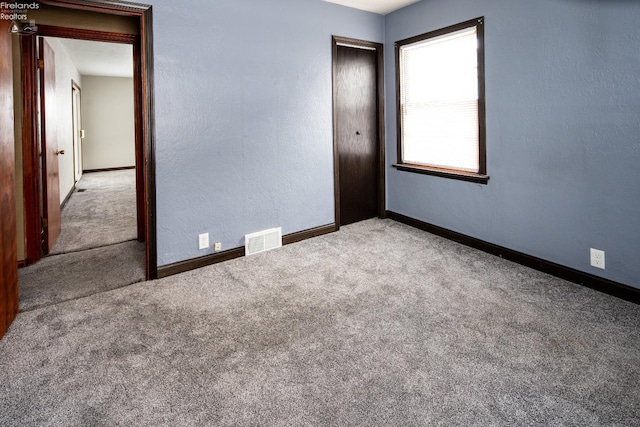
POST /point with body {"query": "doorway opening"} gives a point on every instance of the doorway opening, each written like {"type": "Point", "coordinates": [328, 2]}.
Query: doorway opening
{"type": "Point", "coordinates": [358, 130]}
{"type": "Point", "coordinates": [99, 11]}
{"type": "Point", "coordinates": [107, 72]}
{"type": "Point", "coordinates": [136, 172]}
{"type": "Point", "coordinates": [77, 132]}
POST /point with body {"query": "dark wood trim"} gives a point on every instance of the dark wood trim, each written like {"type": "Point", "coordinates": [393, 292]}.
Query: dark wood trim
{"type": "Point", "coordinates": [113, 7]}
{"type": "Point", "coordinates": [606, 286]}
{"type": "Point", "coordinates": [143, 81]}
{"type": "Point", "coordinates": [139, 143]}
{"type": "Point", "coordinates": [148, 138]}
{"type": "Point", "coordinates": [122, 168]}
{"type": "Point", "coordinates": [481, 176]}
{"type": "Point", "coordinates": [379, 48]}
{"type": "Point", "coordinates": [195, 263]}
{"type": "Point", "coordinates": [30, 157]}
{"type": "Point", "coordinates": [336, 160]}
{"type": "Point", "coordinates": [482, 120]}
{"type": "Point", "coordinates": [399, 151]}
{"type": "Point", "coordinates": [22, 264]}
{"type": "Point", "coordinates": [90, 35]}
{"type": "Point", "coordinates": [308, 234]}
{"type": "Point", "coordinates": [470, 177]}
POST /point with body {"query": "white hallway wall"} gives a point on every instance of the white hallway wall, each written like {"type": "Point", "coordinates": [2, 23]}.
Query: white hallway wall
{"type": "Point", "coordinates": [108, 121]}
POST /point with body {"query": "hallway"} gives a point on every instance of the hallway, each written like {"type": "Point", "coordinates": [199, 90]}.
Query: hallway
{"type": "Point", "coordinates": [97, 249]}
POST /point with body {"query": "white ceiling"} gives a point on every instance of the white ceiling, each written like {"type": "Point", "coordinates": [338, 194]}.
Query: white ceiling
{"type": "Point", "coordinates": [377, 6]}
{"type": "Point", "coordinates": [99, 58]}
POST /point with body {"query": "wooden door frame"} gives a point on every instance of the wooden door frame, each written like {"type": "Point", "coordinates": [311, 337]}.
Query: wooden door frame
{"type": "Point", "coordinates": [379, 48]}
{"type": "Point", "coordinates": [74, 87]}
{"type": "Point", "coordinates": [144, 118]}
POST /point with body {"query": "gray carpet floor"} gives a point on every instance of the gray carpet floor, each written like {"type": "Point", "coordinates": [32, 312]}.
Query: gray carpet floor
{"type": "Point", "coordinates": [95, 251]}
{"type": "Point", "coordinates": [100, 212]}
{"type": "Point", "coordinates": [377, 324]}
{"type": "Point", "coordinates": [78, 274]}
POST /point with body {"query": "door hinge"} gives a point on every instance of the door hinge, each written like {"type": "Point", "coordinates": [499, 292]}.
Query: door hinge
{"type": "Point", "coordinates": [45, 222]}
{"type": "Point", "coordinates": [41, 63]}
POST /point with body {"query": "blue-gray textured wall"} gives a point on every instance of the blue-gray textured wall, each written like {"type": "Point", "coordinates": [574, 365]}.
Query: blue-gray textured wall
{"type": "Point", "coordinates": [563, 131]}
{"type": "Point", "coordinates": [244, 137]}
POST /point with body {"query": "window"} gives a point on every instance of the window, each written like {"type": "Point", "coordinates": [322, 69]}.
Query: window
{"type": "Point", "coordinates": [440, 78]}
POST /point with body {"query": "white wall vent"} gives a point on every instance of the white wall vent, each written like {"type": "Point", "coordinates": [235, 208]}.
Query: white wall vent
{"type": "Point", "coordinates": [262, 241]}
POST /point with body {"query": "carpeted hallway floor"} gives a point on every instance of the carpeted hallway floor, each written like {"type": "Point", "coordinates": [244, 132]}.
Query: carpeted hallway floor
{"type": "Point", "coordinates": [100, 212]}
{"type": "Point", "coordinates": [96, 250]}
{"type": "Point", "coordinates": [377, 324]}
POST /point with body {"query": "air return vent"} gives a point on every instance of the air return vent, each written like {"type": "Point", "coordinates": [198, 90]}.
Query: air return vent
{"type": "Point", "coordinates": [262, 241]}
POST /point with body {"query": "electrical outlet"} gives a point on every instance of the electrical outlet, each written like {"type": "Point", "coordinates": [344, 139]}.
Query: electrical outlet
{"type": "Point", "coordinates": [217, 246]}
{"type": "Point", "coordinates": [597, 258]}
{"type": "Point", "coordinates": [203, 241]}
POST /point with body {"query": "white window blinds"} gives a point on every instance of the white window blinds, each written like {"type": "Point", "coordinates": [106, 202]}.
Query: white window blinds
{"type": "Point", "coordinates": [439, 101]}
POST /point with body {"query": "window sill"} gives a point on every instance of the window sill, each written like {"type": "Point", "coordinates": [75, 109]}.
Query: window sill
{"type": "Point", "coordinates": [444, 173]}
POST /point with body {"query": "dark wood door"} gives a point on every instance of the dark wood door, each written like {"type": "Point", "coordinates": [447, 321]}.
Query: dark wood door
{"type": "Point", "coordinates": [49, 147]}
{"type": "Point", "coordinates": [8, 249]}
{"type": "Point", "coordinates": [357, 133]}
